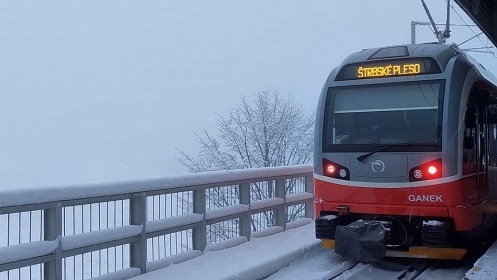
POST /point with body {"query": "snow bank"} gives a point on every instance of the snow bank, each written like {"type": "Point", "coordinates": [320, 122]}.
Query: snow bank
{"type": "Point", "coordinates": [76, 191]}
{"type": "Point", "coordinates": [226, 211]}
{"type": "Point", "coordinates": [267, 232]}
{"type": "Point", "coordinates": [255, 259]}
{"type": "Point", "coordinates": [98, 237]}
{"type": "Point", "coordinates": [485, 267]}
{"type": "Point", "coordinates": [299, 197]}
{"type": "Point", "coordinates": [27, 251]}
{"type": "Point", "coordinates": [266, 203]}
{"type": "Point", "coordinates": [298, 223]}
{"type": "Point", "coordinates": [172, 222]}
{"type": "Point", "coordinates": [175, 259]}
{"type": "Point", "coordinates": [225, 244]}
{"type": "Point", "coordinates": [120, 274]}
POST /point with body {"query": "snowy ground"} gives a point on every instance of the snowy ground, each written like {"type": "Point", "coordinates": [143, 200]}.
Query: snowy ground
{"type": "Point", "coordinates": [294, 255]}
{"type": "Point", "coordinates": [255, 259]}
{"type": "Point", "coordinates": [485, 267]}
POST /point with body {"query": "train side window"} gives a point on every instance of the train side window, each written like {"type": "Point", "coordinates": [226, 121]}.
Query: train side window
{"type": "Point", "coordinates": [470, 128]}
{"type": "Point", "coordinates": [492, 138]}
{"type": "Point", "coordinates": [469, 141]}
{"type": "Point", "coordinates": [492, 129]}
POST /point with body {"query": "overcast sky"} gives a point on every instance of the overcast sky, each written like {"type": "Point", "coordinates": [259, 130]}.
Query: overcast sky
{"type": "Point", "coordinates": [103, 90]}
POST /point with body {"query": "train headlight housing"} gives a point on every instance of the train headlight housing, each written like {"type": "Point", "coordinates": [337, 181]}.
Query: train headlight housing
{"type": "Point", "coordinates": [335, 170]}
{"type": "Point", "coordinates": [427, 171]}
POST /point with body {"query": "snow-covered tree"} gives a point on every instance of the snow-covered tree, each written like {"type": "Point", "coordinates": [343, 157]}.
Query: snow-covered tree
{"type": "Point", "coordinates": [268, 130]}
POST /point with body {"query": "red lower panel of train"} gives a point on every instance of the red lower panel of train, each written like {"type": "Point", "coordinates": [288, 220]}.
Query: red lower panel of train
{"type": "Point", "coordinates": [366, 223]}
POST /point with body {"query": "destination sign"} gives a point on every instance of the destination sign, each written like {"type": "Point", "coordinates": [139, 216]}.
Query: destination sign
{"type": "Point", "coordinates": [388, 68]}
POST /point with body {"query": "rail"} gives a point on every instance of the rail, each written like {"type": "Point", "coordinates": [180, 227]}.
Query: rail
{"type": "Point", "coordinates": [126, 228]}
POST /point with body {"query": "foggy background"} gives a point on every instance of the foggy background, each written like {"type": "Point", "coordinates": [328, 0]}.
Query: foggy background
{"type": "Point", "coordinates": [104, 90]}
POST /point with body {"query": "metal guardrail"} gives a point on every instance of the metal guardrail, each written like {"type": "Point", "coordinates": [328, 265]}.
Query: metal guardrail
{"type": "Point", "coordinates": [126, 228]}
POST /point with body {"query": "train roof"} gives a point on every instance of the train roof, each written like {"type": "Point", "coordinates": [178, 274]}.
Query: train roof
{"type": "Point", "coordinates": [440, 52]}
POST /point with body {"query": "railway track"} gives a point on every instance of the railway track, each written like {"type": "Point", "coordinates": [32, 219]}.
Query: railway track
{"type": "Point", "coordinates": [404, 270]}
{"type": "Point", "coordinates": [325, 264]}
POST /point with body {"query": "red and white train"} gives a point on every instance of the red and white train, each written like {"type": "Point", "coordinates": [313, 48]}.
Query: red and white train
{"type": "Point", "coordinates": [405, 156]}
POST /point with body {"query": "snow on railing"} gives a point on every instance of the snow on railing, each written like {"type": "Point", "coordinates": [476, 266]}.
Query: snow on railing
{"type": "Point", "coordinates": [125, 228]}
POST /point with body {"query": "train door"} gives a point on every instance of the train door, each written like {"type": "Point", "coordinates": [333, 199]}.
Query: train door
{"type": "Point", "coordinates": [475, 149]}
{"type": "Point", "coordinates": [492, 152]}
{"type": "Point", "coordinates": [482, 148]}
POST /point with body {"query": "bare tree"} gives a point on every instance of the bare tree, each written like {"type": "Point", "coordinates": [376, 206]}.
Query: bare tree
{"type": "Point", "coordinates": [269, 130]}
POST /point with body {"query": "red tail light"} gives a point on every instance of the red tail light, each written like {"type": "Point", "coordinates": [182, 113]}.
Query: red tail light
{"type": "Point", "coordinates": [329, 169]}
{"type": "Point", "coordinates": [427, 171]}
{"type": "Point", "coordinates": [432, 170]}
{"type": "Point", "coordinates": [335, 170]}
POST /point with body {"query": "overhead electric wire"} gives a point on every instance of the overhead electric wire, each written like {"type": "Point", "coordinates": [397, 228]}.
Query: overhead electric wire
{"type": "Point", "coordinates": [471, 39]}
{"type": "Point", "coordinates": [479, 48]}
{"type": "Point", "coordinates": [476, 35]}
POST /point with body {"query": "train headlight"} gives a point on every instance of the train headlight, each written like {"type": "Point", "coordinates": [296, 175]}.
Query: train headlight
{"type": "Point", "coordinates": [330, 169]}
{"type": "Point", "coordinates": [427, 171]}
{"type": "Point", "coordinates": [335, 170]}
{"type": "Point", "coordinates": [432, 170]}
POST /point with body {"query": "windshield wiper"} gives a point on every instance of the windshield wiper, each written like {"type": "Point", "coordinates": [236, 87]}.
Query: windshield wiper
{"type": "Point", "coordinates": [384, 148]}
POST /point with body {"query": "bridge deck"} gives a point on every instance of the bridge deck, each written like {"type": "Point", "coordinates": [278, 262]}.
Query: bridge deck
{"type": "Point", "coordinates": [246, 261]}
{"type": "Point", "coordinates": [261, 257]}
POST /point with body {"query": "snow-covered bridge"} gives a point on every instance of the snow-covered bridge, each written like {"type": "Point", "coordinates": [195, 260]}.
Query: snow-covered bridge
{"type": "Point", "coordinates": [127, 228]}
{"type": "Point", "coordinates": [207, 224]}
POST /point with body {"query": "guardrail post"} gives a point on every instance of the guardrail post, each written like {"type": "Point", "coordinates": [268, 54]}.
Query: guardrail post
{"type": "Point", "coordinates": [199, 234]}
{"type": "Point", "coordinates": [309, 188]}
{"type": "Point", "coordinates": [245, 220]}
{"type": "Point", "coordinates": [138, 216]}
{"type": "Point", "coordinates": [52, 230]}
{"type": "Point", "coordinates": [281, 214]}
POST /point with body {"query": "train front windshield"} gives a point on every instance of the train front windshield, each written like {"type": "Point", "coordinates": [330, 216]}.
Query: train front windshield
{"type": "Point", "coordinates": [362, 117]}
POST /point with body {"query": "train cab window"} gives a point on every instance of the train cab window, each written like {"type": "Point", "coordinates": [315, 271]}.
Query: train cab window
{"type": "Point", "coordinates": [357, 118]}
